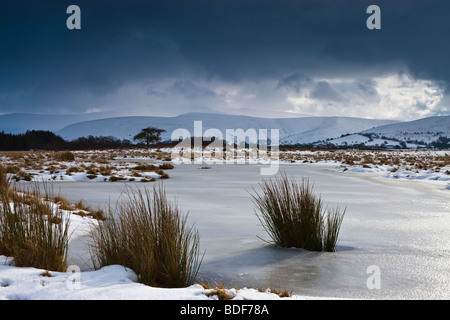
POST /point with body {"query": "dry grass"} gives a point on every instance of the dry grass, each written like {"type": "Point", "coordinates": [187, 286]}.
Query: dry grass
{"type": "Point", "coordinates": [64, 156]}
{"type": "Point", "coordinates": [27, 166]}
{"type": "Point", "coordinates": [221, 292]}
{"type": "Point", "coordinates": [294, 216]}
{"type": "Point", "coordinates": [414, 160]}
{"type": "Point", "coordinates": [148, 234]}
{"type": "Point", "coordinates": [30, 230]}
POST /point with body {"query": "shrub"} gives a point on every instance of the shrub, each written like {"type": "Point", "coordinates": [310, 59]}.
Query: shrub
{"type": "Point", "coordinates": [294, 217]}
{"type": "Point", "coordinates": [148, 234]}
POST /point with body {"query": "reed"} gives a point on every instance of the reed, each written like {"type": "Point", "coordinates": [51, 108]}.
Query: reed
{"type": "Point", "coordinates": [31, 230]}
{"type": "Point", "coordinates": [148, 234]}
{"type": "Point", "coordinates": [294, 216]}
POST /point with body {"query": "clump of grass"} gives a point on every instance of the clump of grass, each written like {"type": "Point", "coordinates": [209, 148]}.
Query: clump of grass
{"type": "Point", "coordinates": [223, 293]}
{"type": "Point", "coordinates": [115, 178]}
{"type": "Point", "coordinates": [282, 293]}
{"type": "Point", "coordinates": [220, 291]}
{"type": "Point", "coordinates": [46, 273]}
{"type": "Point", "coordinates": [148, 234]}
{"type": "Point", "coordinates": [64, 156]}
{"type": "Point", "coordinates": [294, 216]}
{"type": "Point", "coordinates": [166, 166]}
{"type": "Point", "coordinates": [30, 230]}
{"type": "Point", "coordinates": [164, 176]}
{"type": "Point", "coordinates": [62, 203]}
{"type": "Point", "coordinates": [145, 167]}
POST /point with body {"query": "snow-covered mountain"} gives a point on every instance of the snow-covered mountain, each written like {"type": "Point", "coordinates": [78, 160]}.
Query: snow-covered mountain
{"type": "Point", "coordinates": [21, 122]}
{"type": "Point", "coordinates": [414, 133]}
{"type": "Point", "coordinates": [336, 130]}
{"type": "Point", "coordinates": [291, 130]}
{"type": "Point", "coordinates": [427, 129]}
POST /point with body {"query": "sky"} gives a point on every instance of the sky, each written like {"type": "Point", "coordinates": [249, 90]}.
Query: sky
{"type": "Point", "coordinates": [273, 58]}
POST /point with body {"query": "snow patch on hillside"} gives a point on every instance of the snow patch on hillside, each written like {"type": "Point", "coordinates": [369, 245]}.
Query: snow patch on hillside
{"type": "Point", "coordinates": [291, 130]}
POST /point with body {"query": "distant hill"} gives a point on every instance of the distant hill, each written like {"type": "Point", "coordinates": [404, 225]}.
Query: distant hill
{"type": "Point", "coordinates": [412, 133]}
{"type": "Point", "coordinates": [427, 129]}
{"type": "Point", "coordinates": [340, 131]}
{"type": "Point", "coordinates": [21, 122]}
{"type": "Point", "coordinates": [291, 130]}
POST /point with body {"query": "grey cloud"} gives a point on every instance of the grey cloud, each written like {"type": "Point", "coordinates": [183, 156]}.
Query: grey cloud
{"type": "Point", "coordinates": [291, 43]}
{"type": "Point", "coordinates": [190, 90]}
{"type": "Point", "coordinates": [323, 91]}
{"type": "Point", "coordinates": [295, 82]}
{"type": "Point", "coordinates": [367, 87]}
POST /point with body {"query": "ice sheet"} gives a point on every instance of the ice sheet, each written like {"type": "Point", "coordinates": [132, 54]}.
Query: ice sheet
{"type": "Point", "coordinates": [401, 227]}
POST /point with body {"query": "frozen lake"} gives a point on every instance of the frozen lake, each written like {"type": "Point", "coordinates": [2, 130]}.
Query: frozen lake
{"type": "Point", "coordinates": [400, 227]}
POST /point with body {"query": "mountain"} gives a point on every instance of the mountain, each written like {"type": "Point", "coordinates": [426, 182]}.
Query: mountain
{"type": "Point", "coordinates": [427, 129]}
{"type": "Point", "coordinates": [21, 122]}
{"type": "Point", "coordinates": [291, 130]}
{"type": "Point", "coordinates": [414, 133]}
{"type": "Point", "coordinates": [336, 130]}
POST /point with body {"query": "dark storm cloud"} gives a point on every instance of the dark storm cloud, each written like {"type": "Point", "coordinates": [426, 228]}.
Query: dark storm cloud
{"type": "Point", "coordinates": [324, 91]}
{"type": "Point", "coordinates": [190, 90]}
{"type": "Point", "coordinates": [296, 82]}
{"type": "Point", "coordinates": [45, 66]}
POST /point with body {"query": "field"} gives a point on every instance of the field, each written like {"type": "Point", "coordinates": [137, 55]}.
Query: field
{"type": "Point", "coordinates": [142, 165]}
{"type": "Point", "coordinates": [397, 220]}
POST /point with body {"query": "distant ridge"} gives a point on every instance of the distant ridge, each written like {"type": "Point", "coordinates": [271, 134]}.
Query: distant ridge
{"type": "Point", "coordinates": [417, 133]}
{"type": "Point", "coordinates": [335, 130]}
{"type": "Point", "coordinates": [291, 130]}
{"type": "Point", "coordinates": [21, 122]}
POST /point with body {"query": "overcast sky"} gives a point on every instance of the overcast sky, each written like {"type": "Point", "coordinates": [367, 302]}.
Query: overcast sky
{"type": "Point", "coordinates": [260, 58]}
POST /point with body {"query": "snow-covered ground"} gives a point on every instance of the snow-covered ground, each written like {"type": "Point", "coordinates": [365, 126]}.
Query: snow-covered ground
{"type": "Point", "coordinates": [114, 282]}
{"type": "Point", "coordinates": [98, 166]}
{"type": "Point", "coordinates": [108, 283]}
{"type": "Point", "coordinates": [397, 225]}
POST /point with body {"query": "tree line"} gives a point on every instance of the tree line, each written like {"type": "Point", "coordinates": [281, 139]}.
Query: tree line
{"type": "Point", "coordinates": [47, 140]}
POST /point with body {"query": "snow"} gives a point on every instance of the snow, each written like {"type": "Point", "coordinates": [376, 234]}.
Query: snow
{"type": "Point", "coordinates": [291, 130]}
{"type": "Point", "coordinates": [113, 282]}
{"type": "Point", "coordinates": [424, 130]}
{"type": "Point", "coordinates": [396, 219]}
{"type": "Point", "coordinates": [439, 176]}
{"type": "Point", "coordinates": [357, 139]}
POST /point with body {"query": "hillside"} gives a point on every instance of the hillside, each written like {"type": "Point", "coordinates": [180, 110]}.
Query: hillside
{"type": "Point", "coordinates": [21, 122]}
{"type": "Point", "coordinates": [426, 130]}
{"type": "Point", "coordinates": [292, 130]}
{"type": "Point", "coordinates": [412, 133]}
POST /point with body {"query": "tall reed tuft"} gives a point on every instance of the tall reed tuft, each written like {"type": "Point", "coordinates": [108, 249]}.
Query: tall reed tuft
{"type": "Point", "coordinates": [294, 216]}
{"type": "Point", "coordinates": [148, 234]}
{"type": "Point", "coordinates": [30, 230]}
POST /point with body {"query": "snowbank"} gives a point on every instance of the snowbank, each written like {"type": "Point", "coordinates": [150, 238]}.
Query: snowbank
{"type": "Point", "coordinates": [113, 282]}
{"type": "Point", "coordinates": [108, 283]}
